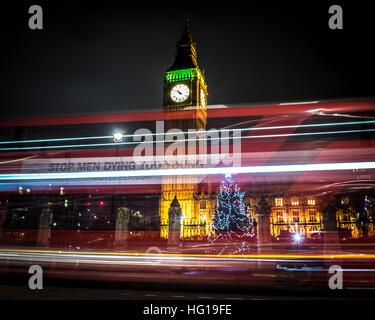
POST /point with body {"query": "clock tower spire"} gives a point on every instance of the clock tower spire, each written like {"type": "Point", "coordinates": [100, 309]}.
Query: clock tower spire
{"type": "Point", "coordinates": [184, 82]}
{"type": "Point", "coordinates": [186, 53]}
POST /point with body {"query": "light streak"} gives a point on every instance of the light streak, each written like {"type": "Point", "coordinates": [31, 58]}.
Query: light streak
{"type": "Point", "coordinates": [17, 160]}
{"type": "Point", "coordinates": [183, 255]}
{"type": "Point", "coordinates": [167, 141]}
{"type": "Point", "coordinates": [55, 140]}
{"type": "Point", "coordinates": [203, 131]}
{"type": "Point", "coordinates": [193, 171]}
{"type": "Point", "coordinates": [292, 103]}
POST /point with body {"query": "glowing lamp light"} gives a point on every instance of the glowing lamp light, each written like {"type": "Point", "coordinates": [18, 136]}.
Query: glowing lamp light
{"type": "Point", "coordinates": [101, 203]}
{"type": "Point", "coordinates": [297, 237]}
{"type": "Point", "coordinates": [117, 137]}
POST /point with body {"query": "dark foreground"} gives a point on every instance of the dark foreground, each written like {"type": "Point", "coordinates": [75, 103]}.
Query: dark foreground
{"type": "Point", "coordinates": [16, 288]}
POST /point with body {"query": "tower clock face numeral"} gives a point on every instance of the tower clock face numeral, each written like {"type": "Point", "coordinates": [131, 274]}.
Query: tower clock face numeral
{"type": "Point", "coordinates": [180, 93]}
{"type": "Point", "coordinates": [203, 98]}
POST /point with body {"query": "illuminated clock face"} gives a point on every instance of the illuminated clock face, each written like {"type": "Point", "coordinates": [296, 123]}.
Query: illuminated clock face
{"type": "Point", "coordinates": [203, 98]}
{"type": "Point", "coordinates": [180, 93]}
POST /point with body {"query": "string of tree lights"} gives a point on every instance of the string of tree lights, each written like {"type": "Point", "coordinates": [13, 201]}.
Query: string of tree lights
{"type": "Point", "coordinates": [231, 224]}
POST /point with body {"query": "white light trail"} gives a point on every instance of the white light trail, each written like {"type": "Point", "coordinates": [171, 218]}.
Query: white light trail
{"type": "Point", "coordinates": [167, 141]}
{"type": "Point", "coordinates": [166, 134]}
{"type": "Point", "coordinates": [292, 103]}
{"type": "Point", "coordinates": [308, 167]}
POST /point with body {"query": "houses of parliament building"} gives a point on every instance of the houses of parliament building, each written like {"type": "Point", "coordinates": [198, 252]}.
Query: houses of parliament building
{"type": "Point", "coordinates": [185, 92]}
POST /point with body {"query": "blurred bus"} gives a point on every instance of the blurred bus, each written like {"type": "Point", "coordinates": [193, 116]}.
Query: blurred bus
{"type": "Point", "coordinates": [307, 167]}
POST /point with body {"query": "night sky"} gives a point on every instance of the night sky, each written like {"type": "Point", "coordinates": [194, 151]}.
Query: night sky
{"type": "Point", "coordinates": [111, 56]}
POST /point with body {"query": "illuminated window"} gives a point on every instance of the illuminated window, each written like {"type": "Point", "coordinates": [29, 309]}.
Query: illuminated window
{"type": "Point", "coordinates": [311, 202]}
{"type": "Point", "coordinates": [295, 202]}
{"type": "Point", "coordinates": [280, 216]}
{"type": "Point", "coordinates": [295, 216]}
{"type": "Point", "coordinates": [279, 202]}
{"type": "Point", "coordinates": [312, 216]}
{"type": "Point", "coordinates": [203, 205]}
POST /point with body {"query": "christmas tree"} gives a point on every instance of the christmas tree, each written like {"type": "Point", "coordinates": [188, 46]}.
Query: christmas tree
{"type": "Point", "coordinates": [231, 225]}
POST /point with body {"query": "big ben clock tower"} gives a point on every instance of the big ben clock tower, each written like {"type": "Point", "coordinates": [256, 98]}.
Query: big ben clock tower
{"type": "Point", "coordinates": [184, 87]}
{"type": "Point", "coordinates": [184, 108]}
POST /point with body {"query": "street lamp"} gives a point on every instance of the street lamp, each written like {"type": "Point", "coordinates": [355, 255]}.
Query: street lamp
{"type": "Point", "coordinates": [297, 237]}
{"type": "Point", "coordinates": [117, 136]}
